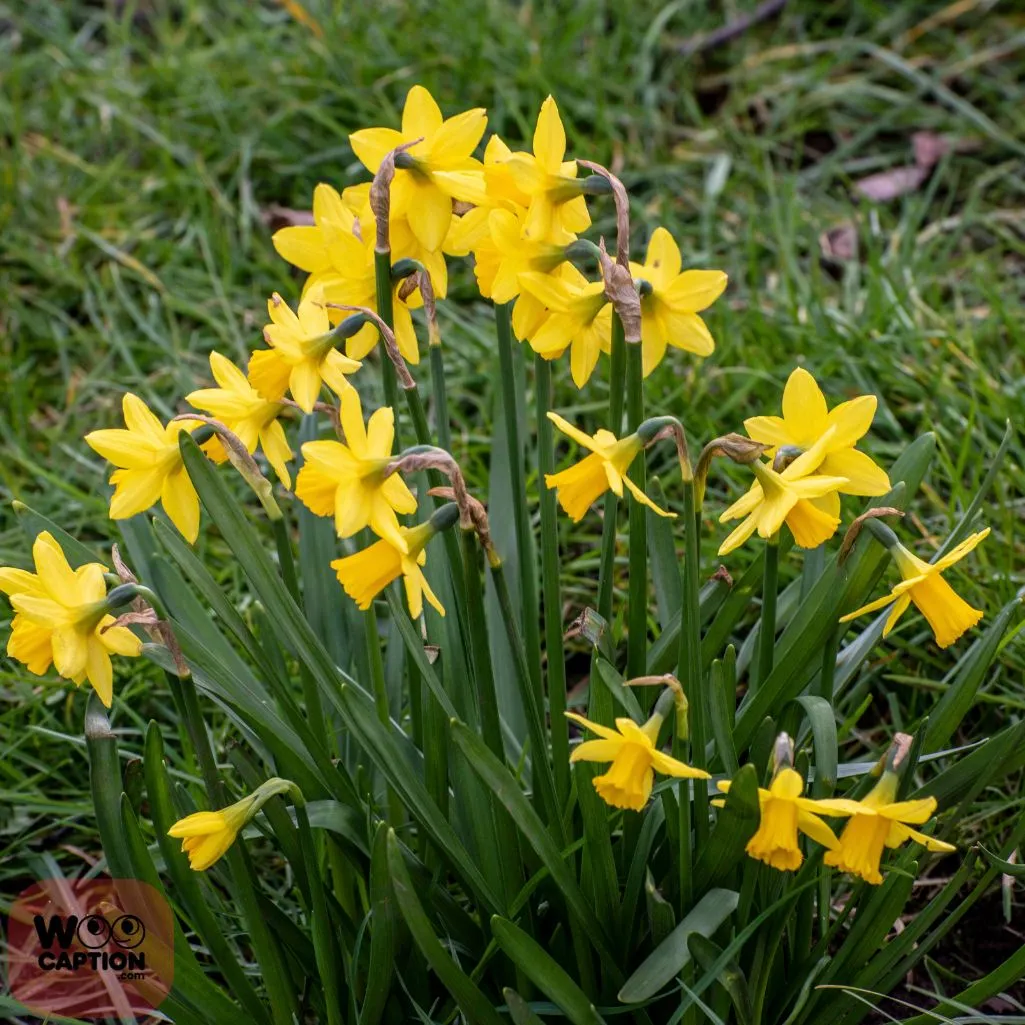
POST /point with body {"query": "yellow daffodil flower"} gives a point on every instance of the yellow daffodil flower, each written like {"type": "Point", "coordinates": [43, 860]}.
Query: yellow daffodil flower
{"type": "Point", "coordinates": [793, 497]}
{"type": "Point", "coordinates": [340, 262]}
{"type": "Point", "coordinates": [443, 166]}
{"type": "Point", "coordinates": [947, 612]}
{"type": "Point", "coordinates": [404, 244]}
{"type": "Point", "coordinates": [348, 482]}
{"type": "Point", "coordinates": [207, 835]}
{"type": "Point", "coordinates": [471, 232]}
{"type": "Point", "coordinates": [635, 759]}
{"type": "Point", "coordinates": [877, 822]}
{"type": "Point", "coordinates": [149, 467]}
{"type": "Point", "coordinates": [670, 307]}
{"type": "Point", "coordinates": [784, 813]}
{"type": "Point", "coordinates": [514, 255]}
{"type": "Point", "coordinates": [581, 319]}
{"type": "Point", "coordinates": [62, 618]}
{"type": "Point", "coordinates": [580, 485]}
{"type": "Point", "coordinates": [806, 419]}
{"type": "Point", "coordinates": [302, 354]}
{"type": "Point", "coordinates": [366, 574]}
{"type": "Point", "coordinates": [556, 206]}
{"type": "Point", "coordinates": [246, 413]}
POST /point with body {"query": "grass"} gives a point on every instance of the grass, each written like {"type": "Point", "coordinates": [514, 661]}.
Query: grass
{"type": "Point", "coordinates": [143, 142]}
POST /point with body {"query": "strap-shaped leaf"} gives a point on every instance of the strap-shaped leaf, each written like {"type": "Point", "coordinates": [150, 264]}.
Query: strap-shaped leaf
{"type": "Point", "coordinates": [470, 999]}
{"type": "Point", "coordinates": [673, 954]}
{"type": "Point", "coordinates": [549, 976]}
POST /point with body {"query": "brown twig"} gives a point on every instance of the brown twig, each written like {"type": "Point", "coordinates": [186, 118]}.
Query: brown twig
{"type": "Point", "coordinates": [388, 337]}
{"type": "Point", "coordinates": [622, 211]}
{"type": "Point", "coordinates": [855, 529]}
{"type": "Point", "coordinates": [380, 195]}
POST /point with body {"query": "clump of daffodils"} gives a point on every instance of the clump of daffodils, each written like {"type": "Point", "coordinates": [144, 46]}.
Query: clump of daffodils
{"type": "Point", "coordinates": [329, 402]}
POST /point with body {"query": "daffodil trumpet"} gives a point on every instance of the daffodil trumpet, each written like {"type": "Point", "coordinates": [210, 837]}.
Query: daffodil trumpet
{"type": "Point", "coordinates": [923, 585]}
{"type": "Point", "coordinates": [206, 836]}
{"type": "Point", "coordinates": [633, 751]}
{"type": "Point", "coordinates": [579, 486]}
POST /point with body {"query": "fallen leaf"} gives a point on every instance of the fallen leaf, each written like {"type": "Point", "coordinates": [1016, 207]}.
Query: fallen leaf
{"type": "Point", "coordinates": [840, 244]}
{"type": "Point", "coordinates": [929, 148]}
{"type": "Point", "coordinates": [887, 185]}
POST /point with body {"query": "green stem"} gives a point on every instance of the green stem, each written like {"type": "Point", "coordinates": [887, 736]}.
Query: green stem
{"type": "Point", "coordinates": [689, 667]}
{"type": "Point", "coordinates": [311, 692]}
{"type": "Point", "coordinates": [555, 658]}
{"type": "Point", "coordinates": [767, 628]}
{"type": "Point", "coordinates": [383, 284]}
{"type": "Point", "coordinates": [606, 573]}
{"type": "Point", "coordinates": [828, 673]}
{"type": "Point", "coordinates": [487, 703]}
{"type": "Point", "coordinates": [438, 390]}
{"type": "Point", "coordinates": [544, 783]}
{"type": "Point", "coordinates": [637, 609]}
{"type": "Point", "coordinates": [480, 650]}
{"type": "Point", "coordinates": [380, 691]}
{"type": "Point", "coordinates": [521, 515]}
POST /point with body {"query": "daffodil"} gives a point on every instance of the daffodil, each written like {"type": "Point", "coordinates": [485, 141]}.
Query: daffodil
{"type": "Point", "coordinates": [635, 759]}
{"type": "Point", "coordinates": [877, 821]}
{"type": "Point", "coordinates": [302, 354]}
{"type": "Point", "coordinates": [672, 300]}
{"type": "Point", "coordinates": [443, 167]}
{"type": "Point", "coordinates": [549, 180]}
{"type": "Point", "coordinates": [806, 419]}
{"type": "Point", "coordinates": [581, 319]}
{"type": "Point", "coordinates": [404, 244]}
{"type": "Point", "coordinates": [207, 835]}
{"type": "Point", "coordinates": [515, 255]}
{"type": "Point", "coordinates": [947, 612]}
{"type": "Point", "coordinates": [580, 485]}
{"type": "Point", "coordinates": [246, 413]}
{"type": "Point", "coordinates": [785, 813]}
{"type": "Point", "coordinates": [340, 262]}
{"type": "Point", "coordinates": [796, 496]}
{"type": "Point", "coordinates": [367, 573]}
{"type": "Point", "coordinates": [62, 618]}
{"type": "Point", "coordinates": [348, 481]}
{"type": "Point", "coordinates": [149, 467]}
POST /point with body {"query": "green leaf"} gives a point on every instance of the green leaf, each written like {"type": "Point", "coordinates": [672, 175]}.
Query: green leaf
{"type": "Point", "coordinates": [654, 819]}
{"type": "Point", "coordinates": [822, 720]}
{"type": "Point", "coordinates": [963, 683]}
{"type": "Point", "coordinates": [519, 1010]}
{"type": "Point", "coordinates": [661, 916]}
{"type": "Point", "coordinates": [673, 954]}
{"type": "Point", "coordinates": [613, 682]}
{"type": "Point", "coordinates": [1007, 868]}
{"type": "Point", "coordinates": [723, 680]}
{"type": "Point", "coordinates": [731, 978]}
{"type": "Point", "coordinates": [665, 569]}
{"type": "Point", "coordinates": [544, 972]}
{"type": "Point", "coordinates": [735, 824]}
{"type": "Point", "coordinates": [507, 790]}
{"type": "Point", "coordinates": [470, 999]}
{"type": "Point", "coordinates": [382, 932]}
{"type": "Point", "coordinates": [106, 786]}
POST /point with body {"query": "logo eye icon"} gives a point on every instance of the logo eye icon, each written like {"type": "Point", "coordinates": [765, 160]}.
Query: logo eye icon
{"type": "Point", "coordinates": [93, 932]}
{"type": "Point", "coordinates": [128, 931]}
